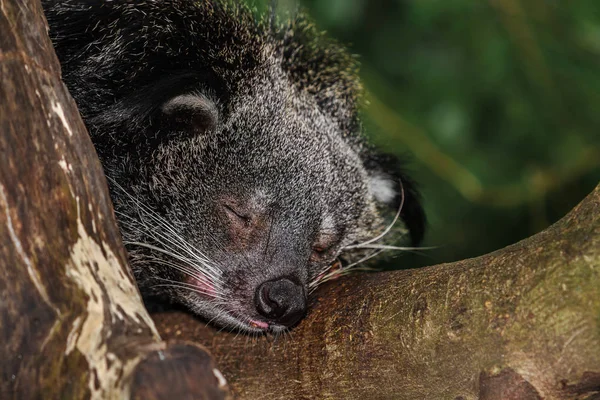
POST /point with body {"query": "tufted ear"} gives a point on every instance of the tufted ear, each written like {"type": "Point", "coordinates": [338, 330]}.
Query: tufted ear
{"type": "Point", "coordinates": [174, 107]}
{"type": "Point", "coordinates": [191, 113]}
{"type": "Point", "coordinates": [391, 187]}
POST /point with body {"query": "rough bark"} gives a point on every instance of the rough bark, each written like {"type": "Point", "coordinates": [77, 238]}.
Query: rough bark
{"type": "Point", "coordinates": [73, 325]}
{"type": "Point", "coordinates": [519, 323]}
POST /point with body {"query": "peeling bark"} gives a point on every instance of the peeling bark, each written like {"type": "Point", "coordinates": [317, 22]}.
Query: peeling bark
{"type": "Point", "coordinates": [73, 324]}
{"type": "Point", "coordinates": [520, 323]}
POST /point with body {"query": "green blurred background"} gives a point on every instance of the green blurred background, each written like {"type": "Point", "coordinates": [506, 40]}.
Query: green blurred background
{"type": "Point", "coordinates": [497, 102]}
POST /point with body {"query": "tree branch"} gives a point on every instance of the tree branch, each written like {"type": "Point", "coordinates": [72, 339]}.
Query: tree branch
{"type": "Point", "coordinates": [73, 323]}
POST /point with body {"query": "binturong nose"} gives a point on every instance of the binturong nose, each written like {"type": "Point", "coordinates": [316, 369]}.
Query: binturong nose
{"type": "Point", "coordinates": [281, 300]}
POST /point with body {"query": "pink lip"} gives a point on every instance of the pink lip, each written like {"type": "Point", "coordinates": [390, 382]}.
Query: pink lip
{"type": "Point", "coordinates": [259, 324]}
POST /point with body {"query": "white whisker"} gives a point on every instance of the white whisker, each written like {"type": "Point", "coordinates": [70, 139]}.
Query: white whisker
{"type": "Point", "coordinates": [183, 285]}
{"type": "Point", "coordinates": [175, 239]}
{"type": "Point", "coordinates": [344, 270]}
{"type": "Point", "coordinates": [387, 229]}
{"type": "Point", "coordinates": [169, 242]}
{"type": "Point", "coordinates": [182, 268]}
{"type": "Point", "coordinates": [390, 247]}
{"type": "Point", "coordinates": [176, 286]}
{"type": "Point", "coordinates": [173, 255]}
{"type": "Point", "coordinates": [162, 222]}
{"type": "Point", "coordinates": [192, 262]}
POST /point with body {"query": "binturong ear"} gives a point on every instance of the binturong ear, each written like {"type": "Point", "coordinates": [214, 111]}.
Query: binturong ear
{"type": "Point", "coordinates": [191, 114]}
{"type": "Point", "coordinates": [391, 187]}
{"type": "Point", "coordinates": [158, 113]}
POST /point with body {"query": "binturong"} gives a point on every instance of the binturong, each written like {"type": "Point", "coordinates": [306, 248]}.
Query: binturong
{"type": "Point", "coordinates": [234, 152]}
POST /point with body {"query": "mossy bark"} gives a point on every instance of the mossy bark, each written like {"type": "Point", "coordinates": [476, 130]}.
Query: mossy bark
{"type": "Point", "coordinates": [73, 325]}
{"type": "Point", "coordinates": [520, 323]}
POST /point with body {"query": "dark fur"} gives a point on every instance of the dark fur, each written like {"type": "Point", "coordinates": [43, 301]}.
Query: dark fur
{"type": "Point", "coordinates": [259, 163]}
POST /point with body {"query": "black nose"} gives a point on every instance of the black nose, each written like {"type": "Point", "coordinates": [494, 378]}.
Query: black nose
{"type": "Point", "coordinates": [281, 301]}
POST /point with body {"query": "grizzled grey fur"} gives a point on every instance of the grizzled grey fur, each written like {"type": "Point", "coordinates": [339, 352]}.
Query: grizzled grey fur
{"type": "Point", "coordinates": [233, 148]}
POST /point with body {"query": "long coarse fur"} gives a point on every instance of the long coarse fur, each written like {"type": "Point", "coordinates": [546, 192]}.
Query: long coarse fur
{"type": "Point", "coordinates": [233, 147]}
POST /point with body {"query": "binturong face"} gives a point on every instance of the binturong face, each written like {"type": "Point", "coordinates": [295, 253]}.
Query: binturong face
{"type": "Point", "coordinates": [240, 210]}
{"type": "Point", "coordinates": [234, 153]}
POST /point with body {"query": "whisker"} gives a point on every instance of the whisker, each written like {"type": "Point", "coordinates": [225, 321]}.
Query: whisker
{"type": "Point", "coordinates": [176, 286]}
{"type": "Point", "coordinates": [193, 288]}
{"type": "Point", "coordinates": [167, 237]}
{"type": "Point", "coordinates": [183, 285]}
{"type": "Point", "coordinates": [173, 255]}
{"type": "Point", "coordinates": [193, 263]}
{"type": "Point", "coordinates": [182, 268]}
{"type": "Point", "coordinates": [362, 260]}
{"type": "Point", "coordinates": [344, 270]}
{"type": "Point", "coordinates": [390, 247]}
{"type": "Point", "coordinates": [387, 229]}
{"type": "Point", "coordinates": [179, 242]}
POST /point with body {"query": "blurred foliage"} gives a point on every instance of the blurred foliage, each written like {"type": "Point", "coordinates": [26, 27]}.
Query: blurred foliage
{"type": "Point", "coordinates": [497, 101]}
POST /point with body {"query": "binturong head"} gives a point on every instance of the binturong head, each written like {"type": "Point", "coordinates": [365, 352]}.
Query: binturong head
{"type": "Point", "coordinates": [234, 153]}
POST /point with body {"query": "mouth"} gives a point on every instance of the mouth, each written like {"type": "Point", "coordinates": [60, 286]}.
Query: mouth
{"type": "Point", "coordinates": [204, 305]}
{"type": "Point", "coordinates": [255, 325]}
{"type": "Point", "coordinates": [247, 324]}
{"type": "Point", "coordinates": [226, 317]}
{"type": "Point", "coordinates": [258, 324]}
{"type": "Point", "coordinates": [250, 325]}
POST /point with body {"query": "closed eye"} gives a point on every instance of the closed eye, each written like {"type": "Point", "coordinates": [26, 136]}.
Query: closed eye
{"type": "Point", "coordinates": [323, 246]}
{"type": "Point", "coordinates": [320, 250]}
{"type": "Point", "coordinates": [246, 219]}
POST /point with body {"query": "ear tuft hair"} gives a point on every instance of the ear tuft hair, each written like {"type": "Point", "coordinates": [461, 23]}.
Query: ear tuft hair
{"type": "Point", "coordinates": [383, 188]}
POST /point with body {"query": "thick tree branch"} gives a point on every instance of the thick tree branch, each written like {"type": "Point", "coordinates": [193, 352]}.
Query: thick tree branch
{"type": "Point", "coordinates": [519, 323]}
{"type": "Point", "coordinates": [73, 323]}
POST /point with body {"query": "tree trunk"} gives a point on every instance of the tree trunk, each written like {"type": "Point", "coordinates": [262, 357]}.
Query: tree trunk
{"type": "Point", "coordinates": [73, 324]}
{"type": "Point", "coordinates": [519, 323]}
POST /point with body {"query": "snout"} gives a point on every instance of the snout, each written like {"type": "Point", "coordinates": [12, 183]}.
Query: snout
{"type": "Point", "coordinates": [281, 301]}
